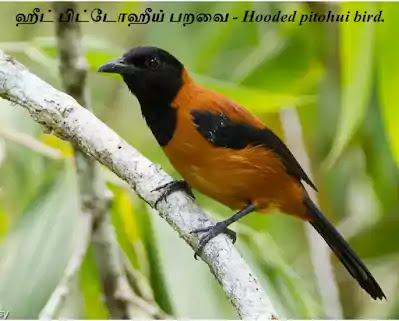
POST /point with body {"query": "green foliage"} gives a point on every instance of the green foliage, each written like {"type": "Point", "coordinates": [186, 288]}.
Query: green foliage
{"type": "Point", "coordinates": [388, 73]}
{"type": "Point", "coordinates": [91, 289]}
{"type": "Point", "coordinates": [34, 252]}
{"type": "Point", "coordinates": [356, 67]}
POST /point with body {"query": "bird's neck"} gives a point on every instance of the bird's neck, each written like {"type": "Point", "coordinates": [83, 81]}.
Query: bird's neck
{"type": "Point", "coordinates": [160, 117]}
{"type": "Point", "coordinates": [160, 111]}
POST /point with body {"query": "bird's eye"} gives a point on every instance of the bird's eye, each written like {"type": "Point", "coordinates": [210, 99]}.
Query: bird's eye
{"type": "Point", "coordinates": [152, 63]}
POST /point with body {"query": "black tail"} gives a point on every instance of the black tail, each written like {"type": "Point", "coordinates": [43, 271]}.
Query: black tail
{"type": "Point", "coordinates": [342, 250]}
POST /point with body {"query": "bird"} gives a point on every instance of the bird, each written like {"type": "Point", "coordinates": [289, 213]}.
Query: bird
{"type": "Point", "coordinates": [223, 151]}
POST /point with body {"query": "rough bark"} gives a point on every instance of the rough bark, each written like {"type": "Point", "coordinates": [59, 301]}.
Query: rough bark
{"type": "Point", "coordinates": [95, 198]}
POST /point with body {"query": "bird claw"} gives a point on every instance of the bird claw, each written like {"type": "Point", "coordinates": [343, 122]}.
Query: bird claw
{"type": "Point", "coordinates": [211, 232]}
{"type": "Point", "coordinates": [173, 186]}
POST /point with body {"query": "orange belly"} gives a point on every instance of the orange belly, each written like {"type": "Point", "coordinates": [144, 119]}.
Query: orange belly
{"type": "Point", "coordinates": [234, 177]}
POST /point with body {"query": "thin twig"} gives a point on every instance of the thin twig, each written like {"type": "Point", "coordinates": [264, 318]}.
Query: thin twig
{"type": "Point", "coordinates": [118, 295]}
{"type": "Point", "coordinates": [62, 115]}
{"type": "Point", "coordinates": [144, 298]}
{"type": "Point", "coordinates": [95, 198]}
{"type": "Point", "coordinates": [29, 142]}
{"type": "Point", "coordinates": [59, 295]}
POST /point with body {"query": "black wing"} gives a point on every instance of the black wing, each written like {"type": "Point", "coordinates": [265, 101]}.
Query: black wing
{"type": "Point", "coordinates": [221, 131]}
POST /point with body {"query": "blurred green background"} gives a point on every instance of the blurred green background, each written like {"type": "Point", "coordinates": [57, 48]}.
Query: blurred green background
{"type": "Point", "coordinates": [343, 80]}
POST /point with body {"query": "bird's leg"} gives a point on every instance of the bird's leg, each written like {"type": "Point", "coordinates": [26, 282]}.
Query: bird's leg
{"type": "Point", "coordinates": [173, 186]}
{"type": "Point", "coordinates": [221, 227]}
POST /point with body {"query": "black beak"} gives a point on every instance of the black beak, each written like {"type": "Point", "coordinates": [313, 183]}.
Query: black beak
{"type": "Point", "coordinates": [116, 66]}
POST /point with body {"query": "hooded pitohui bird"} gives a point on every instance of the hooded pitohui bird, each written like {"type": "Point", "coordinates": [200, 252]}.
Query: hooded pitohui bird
{"type": "Point", "coordinates": [225, 152]}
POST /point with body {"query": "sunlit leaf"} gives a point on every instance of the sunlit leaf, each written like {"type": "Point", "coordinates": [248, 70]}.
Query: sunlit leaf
{"type": "Point", "coordinates": [3, 222]}
{"type": "Point", "coordinates": [381, 166]}
{"type": "Point", "coordinates": [388, 72]}
{"type": "Point", "coordinates": [356, 49]}
{"type": "Point", "coordinates": [123, 204]}
{"type": "Point", "coordinates": [255, 100]}
{"type": "Point", "coordinates": [91, 288]}
{"type": "Point", "coordinates": [127, 226]}
{"type": "Point", "coordinates": [96, 58]}
{"type": "Point", "coordinates": [156, 264]}
{"type": "Point", "coordinates": [63, 146]}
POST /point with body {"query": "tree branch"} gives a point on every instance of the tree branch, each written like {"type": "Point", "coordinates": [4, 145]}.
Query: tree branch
{"type": "Point", "coordinates": [64, 117]}
{"type": "Point", "coordinates": [95, 198]}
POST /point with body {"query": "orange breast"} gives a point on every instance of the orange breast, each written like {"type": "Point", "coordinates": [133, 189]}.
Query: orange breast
{"type": "Point", "coordinates": [232, 177]}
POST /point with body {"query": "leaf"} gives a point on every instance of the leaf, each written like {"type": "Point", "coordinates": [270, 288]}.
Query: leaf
{"type": "Point", "coordinates": [380, 240]}
{"type": "Point", "coordinates": [193, 291]}
{"type": "Point", "coordinates": [380, 165]}
{"type": "Point", "coordinates": [156, 263]}
{"type": "Point", "coordinates": [35, 252]}
{"type": "Point", "coordinates": [255, 100]}
{"type": "Point", "coordinates": [91, 288]}
{"type": "Point", "coordinates": [356, 50]}
{"type": "Point", "coordinates": [127, 226]}
{"type": "Point", "coordinates": [3, 222]}
{"type": "Point", "coordinates": [388, 73]}
{"type": "Point", "coordinates": [53, 141]}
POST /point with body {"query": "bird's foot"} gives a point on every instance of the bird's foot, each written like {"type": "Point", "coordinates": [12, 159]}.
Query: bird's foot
{"type": "Point", "coordinates": [211, 232]}
{"type": "Point", "coordinates": [173, 186]}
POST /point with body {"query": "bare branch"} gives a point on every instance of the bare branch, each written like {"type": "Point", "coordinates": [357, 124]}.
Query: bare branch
{"type": "Point", "coordinates": [30, 142]}
{"type": "Point", "coordinates": [95, 197]}
{"type": "Point", "coordinates": [62, 115]}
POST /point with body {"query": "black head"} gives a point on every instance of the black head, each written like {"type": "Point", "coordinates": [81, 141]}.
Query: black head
{"type": "Point", "coordinates": [152, 74]}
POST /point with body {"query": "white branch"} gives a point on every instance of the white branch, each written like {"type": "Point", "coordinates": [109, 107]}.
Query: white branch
{"type": "Point", "coordinates": [94, 195]}
{"type": "Point", "coordinates": [67, 119]}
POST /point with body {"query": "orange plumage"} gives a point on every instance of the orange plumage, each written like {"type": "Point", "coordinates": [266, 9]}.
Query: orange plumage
{"type": "Point", "coordinates": [233, 177]}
